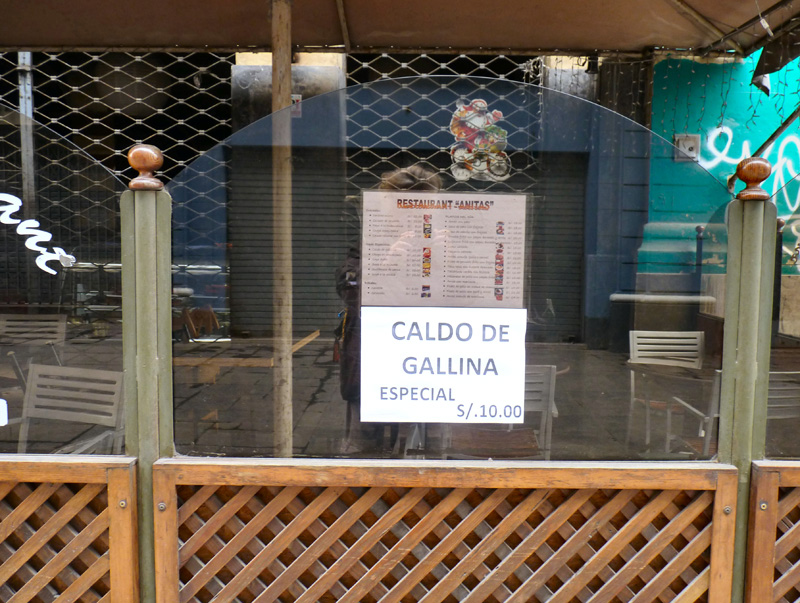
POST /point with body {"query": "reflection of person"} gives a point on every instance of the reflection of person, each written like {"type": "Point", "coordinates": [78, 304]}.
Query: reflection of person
{"type": "Point", "coordinates": [348, 281]}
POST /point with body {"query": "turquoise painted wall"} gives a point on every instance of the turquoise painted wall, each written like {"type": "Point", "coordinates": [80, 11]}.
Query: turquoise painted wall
{"type": "Point", "coordinates": [733, 118]}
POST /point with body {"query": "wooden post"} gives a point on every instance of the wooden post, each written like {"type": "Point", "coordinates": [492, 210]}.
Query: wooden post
{"type": "Point", "coordinates": [282, 225]}
{"type": "Point", "coordinates": [147, 338]}
{"type": "Point", "coordinates": [748, 320]}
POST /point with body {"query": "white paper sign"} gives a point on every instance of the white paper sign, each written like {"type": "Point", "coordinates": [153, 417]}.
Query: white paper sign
{"type": "Point", "coordinates": [3, 412]}
{"type": "Point", "coordinates": [442, 365]}
{"type": "Point", "coordinates": [443, 249]}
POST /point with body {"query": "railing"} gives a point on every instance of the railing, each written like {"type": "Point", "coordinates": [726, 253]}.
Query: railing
{"type": "Point", "coordinates": [268, 530]}
{"type": "Point", "coordinates": [68, 529]}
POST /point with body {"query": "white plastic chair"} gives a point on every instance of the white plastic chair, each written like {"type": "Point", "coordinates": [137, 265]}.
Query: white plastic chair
{"type": "Point", "coordinates": [79, 395]}
{"type": "Point", "coordinates": [665, 348]}
{"type": "Point", "coordinates": [671, 348]}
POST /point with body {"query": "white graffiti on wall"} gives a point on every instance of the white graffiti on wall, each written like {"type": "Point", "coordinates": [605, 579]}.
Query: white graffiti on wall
{"type": "Point", "coordinates": [786, 166]}
{"type": "Point", "coordinates": [30, 229]}
{"type": "Point", "coordinates": [785, 161]}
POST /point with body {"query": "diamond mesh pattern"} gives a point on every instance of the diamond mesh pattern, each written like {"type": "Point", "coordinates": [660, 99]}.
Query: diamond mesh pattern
{"type": "Point", "coordinates": [417, 98]}
{"type": "Point", "coordinates": [371, 113]}
{"type": "Point", "coordinates": [787, 545]}
{"type": "Point", "coordinates": [102, 103]}
{"type": "Point", "coordinates": [440, 544]}
{"type": "Point", "coordinates": [54, 542]}
{"type": "Point", "coordinates": [107, 102]}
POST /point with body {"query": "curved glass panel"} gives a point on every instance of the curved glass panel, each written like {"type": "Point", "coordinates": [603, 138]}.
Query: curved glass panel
{"type": "Point", "coordinates": [783, 400]}
{"type": "Point", "coordinates": [447, 268]}
{"type": "Point", "coordinates": [60, 293]}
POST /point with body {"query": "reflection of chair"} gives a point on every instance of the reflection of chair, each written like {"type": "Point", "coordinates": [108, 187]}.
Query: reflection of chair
{"type": "Point", "coordinates": [783, 400]}
{"type": "Point", "coordinates": [672, 348]}
{"type": "Point", "coordinates": [32, 329]}
{"type": "Point", "coordinates": [465, 441]}
{"type": "Point", "coordinates": [707, 418]}
{"type": "Point", "coordinates": [89, 396]}
{"type": "Point", "coordinates": [665, 348]}
{"type": "Point", "coordinates": [195, 322]}
{"type": "Point", "coordinates": [540, 392]}
{"type": "Point", "coordinates": [511, 441]}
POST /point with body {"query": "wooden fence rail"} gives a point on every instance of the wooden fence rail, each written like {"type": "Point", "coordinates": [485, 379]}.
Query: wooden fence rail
{"type": "Point", "coordinates": [68, 529]}
{"type": "Point", "coordinates": [269, 530]}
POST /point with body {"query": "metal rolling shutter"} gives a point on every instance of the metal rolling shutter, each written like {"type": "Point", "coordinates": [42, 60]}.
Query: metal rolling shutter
{"type": "Point", "coordinates": [318, 239]}
{"type": "Point", "coordinates": [555, 307]}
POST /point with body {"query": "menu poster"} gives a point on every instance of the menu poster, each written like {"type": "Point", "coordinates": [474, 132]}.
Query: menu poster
{"type": "Point", "coordinates": [443, 249]}
{"type": "Point", "coordinates": [443, 365]}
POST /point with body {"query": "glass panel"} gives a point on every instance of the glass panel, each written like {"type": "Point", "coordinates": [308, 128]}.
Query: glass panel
{"type": "Point", "coordinates": [459, 264]}
{"type": "Point", "coordinates": [783, 400]}
{"type": "Point", "coordinates": [60, 297]}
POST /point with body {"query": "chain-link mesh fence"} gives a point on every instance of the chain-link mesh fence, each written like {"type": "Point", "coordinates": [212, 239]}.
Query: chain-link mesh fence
{"type": "Point", "coordinates": [101, 104]}
{"type": "Point", "coordinates": [104, 102]}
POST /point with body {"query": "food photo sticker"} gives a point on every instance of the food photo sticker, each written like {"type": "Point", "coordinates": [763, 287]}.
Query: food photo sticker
{"type": "Point", "coordinates": [479, 150]}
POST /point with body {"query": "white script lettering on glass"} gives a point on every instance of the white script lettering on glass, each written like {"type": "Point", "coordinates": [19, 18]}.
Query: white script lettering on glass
{"type": "Point", "coordinates": [9, 204]}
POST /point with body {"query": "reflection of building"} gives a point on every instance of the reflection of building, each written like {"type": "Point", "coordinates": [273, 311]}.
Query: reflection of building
{"type": "Point", "coordinates": [575, 251]}
{"type": "Point", "coordinates": [508, 525]}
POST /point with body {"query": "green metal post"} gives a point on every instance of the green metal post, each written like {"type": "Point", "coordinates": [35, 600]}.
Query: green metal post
{"type": "Point", "coordinates": [147, 339]}
{"type": "Point", "coordinates": [748, 324]}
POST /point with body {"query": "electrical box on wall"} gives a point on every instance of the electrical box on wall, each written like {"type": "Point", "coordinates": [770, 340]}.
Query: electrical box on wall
{"type": "Point", "coordinates": [687, 147]}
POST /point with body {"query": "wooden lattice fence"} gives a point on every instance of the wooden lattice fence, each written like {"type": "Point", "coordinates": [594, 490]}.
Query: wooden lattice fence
{"type": "Point", "coordinates": [67, 529]}
{"type": "Point", "coordinates": [773, 572]}
{"type": "Point", "coordinates": [263, 531]}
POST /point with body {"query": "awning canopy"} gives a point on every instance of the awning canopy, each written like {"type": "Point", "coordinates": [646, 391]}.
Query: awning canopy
{"type": "Point", "coordinates": [534, 26]}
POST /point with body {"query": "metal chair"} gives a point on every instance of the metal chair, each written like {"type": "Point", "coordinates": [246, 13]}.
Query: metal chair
{"type": "Point", "coordinates": [665, 348]}
{"type": "Point", "coordinates": [78, 395]}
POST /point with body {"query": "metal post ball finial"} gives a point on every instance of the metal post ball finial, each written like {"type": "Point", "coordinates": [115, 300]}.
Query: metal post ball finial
{"type": "Point", "coordinates": [753, 171]}
{"type": "Point", "coordinates": [145, 159]}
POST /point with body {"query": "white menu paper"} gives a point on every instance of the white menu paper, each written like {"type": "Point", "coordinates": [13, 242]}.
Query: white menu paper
{"type": "Point", "coordinates": [443, 249]}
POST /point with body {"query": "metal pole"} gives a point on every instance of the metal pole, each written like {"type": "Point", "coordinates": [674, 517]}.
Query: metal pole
{"type": "Point", "coordinates": [282, 225]}
{"type": "Point", "coordinates": [30, 207]}
{"type": "Point", "coordinates": [776, 295]}
{"type": "Point", "coordinates": [147, 354]}
{"type": "Point", "coordinates": [748, 318]}
{"type": "Point", "coordinates": [698, 260]}
{"type": "Point", "coordinates": [24, 67]}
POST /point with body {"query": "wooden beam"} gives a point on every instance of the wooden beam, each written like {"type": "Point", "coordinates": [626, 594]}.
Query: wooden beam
{"type": "Point", "coordinates": [282, 225]}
